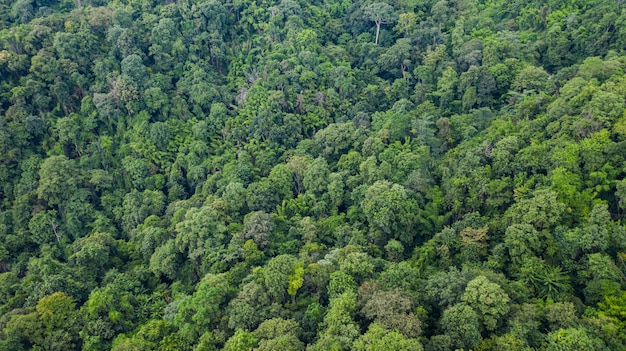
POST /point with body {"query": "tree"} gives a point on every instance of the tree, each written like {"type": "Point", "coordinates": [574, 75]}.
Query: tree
{"type": "Point", "coordinates": [475, 239]}
{"type": "Point", "coordinates": [315, 177]}
{"type": "Point", "coordinates": [592, 236]}
{"type": "Point", "coordinates": [58, 178]}
{"type": "Point", "coordinates": [122, 343]}
{"type": "Point", "coordinates": [388, 208]}
{"type": "Point", "coordinates": [276, 275]}
{"type": "Point", "coordinates": [93, 254]}
{"type": "Point", "coordinates": [602, 277]}
{"type": "Point", "coordinates": [547, 281]}
{"type": "Point", "coordinates": [357, 264]}
{"type": "Point", "coordinates": [111, 308]}
{"type": "Point", "coordinates": [133, 67]}
{"type": "Point", "coordinates": [235, 197]}
{"type": "Point", "coordinates": [397, 57]}
{"type": "Point", "coordinates": [525, 324]}
{"type": "Point", "coordinates": [262, 197]}
{"type": "Point", "coordinates": [378, 338]}
{"type": "Point", "coordinates": [460, 322]}
{"type": "Point", "coordinates": [393, 310]}
{"type": "Point", "coordinates": [137, 206]}
{"type": "Point", "coordinates": [542, 211]}
{"type": "Point", "coordinates": [487, 299]}
{"type": "Point", "coordinates": [530, 78]}
{"type": "Point", "coordinates": [44, 227]}
{"type": "Point", "coordinates": [200, 233]}
{"type": "Point", "coordinates": [155, 99]}
{"type": "Point", "coordinates": [25, 329]}
{"type": "Point", "coordinates": [335, 140]}
{"type": "Point", "coordinates": [24, 10]}
{"type": "Point", "coordinates": [58, 315]}
{"type": "Point", "coordinates": [401, 276]}
{"type": "Point", "coordinates": [258, 227]}
{"type": "Point", "coordinates": [340, 283]}
{"type": "Point", "coordinates": [137, 170]}
{"type": "Point", "coordinates": [561, 315]}
{"type": "Point", "coordinates": [380, 13]}
{"type": "Point", "coordinates": [241, 341]}
{"type": "Point", "coordinates": [165, 261]}
{"type": "Point", "coordinates": [295, 281]}
{"type": "Point", "coordinates": [394, 250]}
{"type": "Point", "coordinates": [249, 308]}
{"type": "Point", "coordinates": [281, 179]}
{"type": "Point", "coordinates": [478, 85]}
{"type": "Point", "coordinates": [522, 240]}
{"type": "Point", "coordinates": [298, 165]}
{"type": "Point", "coordinates": [407, 23]}
{"type": "Point", "coordinates": [164, 34]}
{"type": "Point", "coordinates": [573, 339]}
{"type": "Point", "coordinates": [339, 329]}
{"type": "Point", "coordinates": [279, 334]}
{"type": "Point", "coordinates": [446, 90]}
{"type": "Point", "coordinates": [203, 310]}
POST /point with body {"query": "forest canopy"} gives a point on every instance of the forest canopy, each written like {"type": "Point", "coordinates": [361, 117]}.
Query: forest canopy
{"type": "Point", "coordinates": [312, 175]}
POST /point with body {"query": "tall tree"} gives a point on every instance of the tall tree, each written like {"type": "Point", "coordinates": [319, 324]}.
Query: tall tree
{"type": "Point", "coordinates": [380, 13]}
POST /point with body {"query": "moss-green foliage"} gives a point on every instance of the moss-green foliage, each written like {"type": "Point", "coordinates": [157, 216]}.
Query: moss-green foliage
{"type": "Point", "coordinates": [321, 175]}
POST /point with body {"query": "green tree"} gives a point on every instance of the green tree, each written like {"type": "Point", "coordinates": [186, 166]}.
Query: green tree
{"type": "Point", "coordinates": [262, 197]}
{"type": "Point", "coordinates": [543, 210]}
{"type": "Point", "coordinates": [573, 339]}
{"type": "Point", "coordinates": [388, 208]}
{"type": "Point", "coordinates": [44, 227]}
{"type": "Point", "coordinates": [93, 254]}
{"type": "Point", "coordinates": [200, 233]}
{"type": "Point", "coordinates": [531, 78]}
{"type": "Point", "coordinates": [249, 308]}
{"type": "Point", "coordinates": [357, 264]}
{"type": "Point", "coordinates": [593, 235]}
{"type": "Point", "coordinates": [279, 334]}
{"type": "Point", "coordinates": [462, 325]}
{"type": "Point", "coordinates": [315, 177]}
{"type": "Point", "coordinates": [58, 315]}
{"type": "Point", "coordinates": [380, 13]}
{"type": "Point", "coordinates": [561, 315]}
{"type": "Point", "coordinates": [204, 309]}
{"type": "Point", "coordinates": [446, 288]}
{"type": "Point", "coordinates": [339, 329]}
{"type": "Point", "coordinates": [58, 178]}
{"type": "Point", "coordinates": [241, 341]}
{"type": "Point", "coordinates": [488, 300]}
{"type": "Point", "coordinates": [394, 250]}
{"type": "Point", "coordinates": [281, 179]}
{"type": "Point", "coordinates": [165, 261]}
{"type": "Point", "coordinates": [133, 67]}
{"type": "Point", "coordinates": [276, 275]}
{"type": "Point", "coordinates": [393, 311]}
{"type": "Point", "coordinates": [258, 228]}
{"type": "Point", "coordinates": [340, 283]}
{"type": "Point", "coordinates": [379, 338]}
{"type": "Point", "coordinates": [137, 206]}
{"type": "Point", "coordinates": [547, 281]}
{"type": "Point", "coordinates": [522, 240]}
{"type": "Point", "coordinates": [295, 281]}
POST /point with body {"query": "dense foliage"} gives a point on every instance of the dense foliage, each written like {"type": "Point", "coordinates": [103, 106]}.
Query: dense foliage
{"type": "Point", "coordinates": [312, 175]}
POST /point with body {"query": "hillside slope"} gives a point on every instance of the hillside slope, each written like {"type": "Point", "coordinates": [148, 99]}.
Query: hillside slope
{"type": "Point", "coordinates": [323, 175]}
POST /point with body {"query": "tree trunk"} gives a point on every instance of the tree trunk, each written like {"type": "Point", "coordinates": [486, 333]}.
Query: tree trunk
{"type": "Point", "coordinates": [377, 31]}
